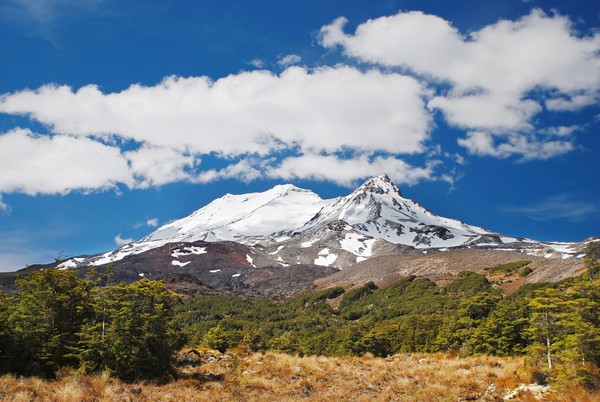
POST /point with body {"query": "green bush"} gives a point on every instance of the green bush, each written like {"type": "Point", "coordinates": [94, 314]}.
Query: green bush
{"type": "Point", "coordinates": [523, 272]}
{"type": "Point", "coordinates": [509, 267]}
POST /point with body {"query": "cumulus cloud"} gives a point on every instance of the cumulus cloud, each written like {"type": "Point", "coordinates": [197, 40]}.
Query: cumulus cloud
{"type": "Point", "coordinates": [32, 164]}
{"type": "Point", "coordinates": [258, 63]}
{"type": "Point", "coordinates": [303, 123]}
{"type": "Point", "coordinates": [244, 170]}
{"type": "Point", "coordinates": [289, 60]}
{"type": "Point", "coordinates": [528, 147]}
{"type": "Point", "coordinates": [154, 166]}
{"type": "Point", "coordinates": [561, 131]}
{"type": "Point", "coordinates": [121, 242]}
{"type": "Point", "coordinates": [325, 109]}
{"type": "Point", "coordinates": [348, 171]}
{"type": "Point", "coordinates": [151, 223]}
{"type": "Point", "coordinates": [500, 77]}
{"type": "Point", "coordinates": [249, 121]}
{"type": "Point", "coordinates": [4, 208]}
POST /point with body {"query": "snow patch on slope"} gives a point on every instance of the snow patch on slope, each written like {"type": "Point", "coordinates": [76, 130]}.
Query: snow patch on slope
{"type": "Point", "coordinates": [180, 252]}
{"type": "Point", "coordinates": [325, 258]}
{"type": "Point", "coordinates": [358, 245]}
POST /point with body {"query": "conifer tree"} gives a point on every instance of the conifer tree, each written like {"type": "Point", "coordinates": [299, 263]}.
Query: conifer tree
{"type": "Point", "coordinates": [50, 308]}
{"type": "Point", "coordinates": [134, 335]}
{"type": "Point", "coordinates": [565, 325]}
{"type": "Point", "coordinates": [7, 338]}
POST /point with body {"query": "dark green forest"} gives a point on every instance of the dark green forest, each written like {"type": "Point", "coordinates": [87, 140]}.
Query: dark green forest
{"type": "Point", "coordinates": [55, 319]}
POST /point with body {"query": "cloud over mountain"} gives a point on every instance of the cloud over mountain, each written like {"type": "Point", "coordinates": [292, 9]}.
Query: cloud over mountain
{"type": "Point", "coordinates": [500, 77]}
{"type": "Point", "coordinates": [336, 123]}
{"type": "Point", "coordinates": [252, 114]}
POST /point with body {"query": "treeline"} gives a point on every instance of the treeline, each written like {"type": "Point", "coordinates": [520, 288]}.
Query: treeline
{"type": "Point", "coordinates": [56, 320]}
{"type": "Point", "coordinates": [556, 326]}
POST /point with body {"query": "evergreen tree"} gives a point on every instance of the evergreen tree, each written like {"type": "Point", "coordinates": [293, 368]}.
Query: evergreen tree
{"type": "Point", "coordinates": [7, 337]}
{"type": "Point", "coordinates": [565, 328]}
{"type": "Point", "coordinates": [50, 308]}
{"type": "Point", "coordinates": [134, 334]}
{"type": "Point", "coordinates": [545, 324]}
{"type": "Point", "coordinates": [592, 260]}
{"type": "Point", "coordinates": [503, 331]}
{"type": "Point", "coordinates": [456, 332]}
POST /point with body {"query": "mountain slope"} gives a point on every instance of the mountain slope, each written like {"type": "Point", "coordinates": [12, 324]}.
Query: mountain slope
{"type": "Point", "coordinates": [279, 242]}
{"type": "Point", "coordinates": [290, 225]}
{"type": "Point", "coordinates": [238, 217]}
{"type": "Point", "coordinates": [378, 209]}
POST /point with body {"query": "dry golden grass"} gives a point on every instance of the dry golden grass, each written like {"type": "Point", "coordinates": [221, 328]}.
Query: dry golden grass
{"type": "Point", "coordinates": [279, 377]}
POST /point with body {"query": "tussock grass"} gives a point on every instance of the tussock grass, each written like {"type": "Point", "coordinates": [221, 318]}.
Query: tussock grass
{"type": "Point", "coordinates": [281, 377]}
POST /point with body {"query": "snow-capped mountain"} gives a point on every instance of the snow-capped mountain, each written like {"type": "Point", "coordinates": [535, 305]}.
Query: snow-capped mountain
{"type": "Point", "coordinates": [378, 209]}
{"type": "Point", "coordinates": [288, 225]}
{"type": "Point", "coordinates": [242, 217]}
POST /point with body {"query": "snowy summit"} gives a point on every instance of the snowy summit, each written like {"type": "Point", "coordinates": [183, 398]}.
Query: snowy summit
{"type": "Point", "coordinates": [375, 216]}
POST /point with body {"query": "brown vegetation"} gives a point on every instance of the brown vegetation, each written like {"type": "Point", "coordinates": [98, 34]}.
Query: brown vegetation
{"type": "Point", "coordinates": [279, 377]}
{"type": "Point", "coordinates": [442, 267]}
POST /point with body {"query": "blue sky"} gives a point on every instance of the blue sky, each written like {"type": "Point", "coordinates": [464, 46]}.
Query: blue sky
{"type": "Point", "coordinates": [117, 117]}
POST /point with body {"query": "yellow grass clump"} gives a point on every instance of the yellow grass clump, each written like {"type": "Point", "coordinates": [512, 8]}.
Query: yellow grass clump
{"type": "Point", "coordinates": [280, 377]}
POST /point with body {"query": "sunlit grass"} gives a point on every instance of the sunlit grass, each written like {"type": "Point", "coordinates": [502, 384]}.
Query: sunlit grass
{"type": "Point", "coordinates": [281, 377]}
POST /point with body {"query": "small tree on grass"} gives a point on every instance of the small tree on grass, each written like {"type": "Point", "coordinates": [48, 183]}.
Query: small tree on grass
{"type": "Point", "coordinates": [134, 335]}
{"type": "Point", "coordinates": [50, 308]}
{"type": "Point", "coordinates": [565, 329]}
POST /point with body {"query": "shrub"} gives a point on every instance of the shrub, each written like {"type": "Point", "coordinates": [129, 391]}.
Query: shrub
{"type": "Point", "coordinates": [523, 272]}
{"type": "Point", "coordinates": [509, 267]}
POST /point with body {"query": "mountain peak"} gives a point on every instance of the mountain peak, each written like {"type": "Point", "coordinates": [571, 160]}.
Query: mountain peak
{"type": "Point", "coordinates": [286, 189]}
{"type": "Point", "coordinates": [380, 184]}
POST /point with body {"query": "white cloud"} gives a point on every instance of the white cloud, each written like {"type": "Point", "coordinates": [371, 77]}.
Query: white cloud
{"type": "Point", "coordinates": [258, 63]}
{"type": "Point", "coordinates": [33, 164]}
{"type": "Point", "coordinates": [561, 131]}
{"type": "Point", "coordinates": [347, 172]}
{"type": "Point", "coordinates": [300, 123]}
{"type": "Point", "coordinates": [323, 167]}
{"type": "Point", "coordinates": [492, 72]}
{"type": "Point", "coordinates": [487, 112]}
{"type": "Point", "coordinates": [121, 242]}
{"type": "Point", "coordinates": [528, 147]}
{"type": "Point", "coordinates": [4, 208]}
{"type": "Point", "coordinates": [566, 207]}
{"type": "Point", "coordinates": [507, 58]}
{"type": "Point", "coordinates": [244, 170]}
{"type": "Point", "coordinates": [153, 166]}
{"type": "Point", "coordinates": [571, 103]}
{"type": "Point", "coordinates": [249, 121]}
{"type": "Point", "coordinates": [151, 223]}
{"type": "Point", "coordinates": [289, 60]}
{"type": "Point", "coordinates": [326, 109]}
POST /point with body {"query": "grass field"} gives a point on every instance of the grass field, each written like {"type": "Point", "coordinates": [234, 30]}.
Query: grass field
{"type": "Point", "coordinates": [280, 377]}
